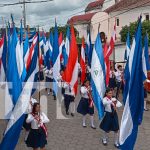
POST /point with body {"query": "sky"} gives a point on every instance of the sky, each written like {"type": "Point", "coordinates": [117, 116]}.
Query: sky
{"type": "Point", "coordinates": [43, 14]}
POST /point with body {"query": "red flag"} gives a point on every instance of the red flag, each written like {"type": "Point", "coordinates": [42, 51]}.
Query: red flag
{"type": "Point", "coordinates": [60, 40]}
{"type": "Point", "coordinates": [71, 71]}
{"type": "Point", "coordinates": [112, 42]}
{"type": "Point", "coordinates": [107, 63]}
{"type": "Point", "coordinates": [82, 62]}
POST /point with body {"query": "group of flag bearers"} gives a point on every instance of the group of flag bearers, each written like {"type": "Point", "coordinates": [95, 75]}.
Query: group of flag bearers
{"type": "Point", "coordinates": [98, 81]}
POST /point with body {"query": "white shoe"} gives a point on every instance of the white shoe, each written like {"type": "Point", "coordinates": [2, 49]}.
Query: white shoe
{"type": "Point", "coordinates": [104, 141]}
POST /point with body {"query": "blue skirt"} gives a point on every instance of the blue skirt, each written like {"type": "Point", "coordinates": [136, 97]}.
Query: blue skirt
{"type": "Point", "coordinates": [110, 122]}
{"type": "Point", "coordinates": [84, 107]}
{"type": "Point", "coordinates": [49, 79]}
{"type": "Point", "coordinates": [36, 138]}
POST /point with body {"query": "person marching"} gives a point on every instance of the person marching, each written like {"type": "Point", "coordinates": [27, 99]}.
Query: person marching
{"type": "Point", "coordinates": [38, 133]}
{"type": "Point", "coordinates": [27, 126]}
{"type": "Point", "coordinates": [49, 79]}
{"type": "Point", "coordinates": [119, 78]}
{"type": "Point", "coordinates": [110, 121]}
{"type": "Point", "coordinates": [69, 97]}
{"type": "Point", "coordinates": [86, 105]}
{"type": "Point", "coordinates": [112, 78]}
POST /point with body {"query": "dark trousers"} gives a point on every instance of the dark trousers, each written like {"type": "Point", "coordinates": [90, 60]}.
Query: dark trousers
{"type": "Point", "coordinates": [118, 88]}
{"type": "Point", "coordinates": [67, 100]}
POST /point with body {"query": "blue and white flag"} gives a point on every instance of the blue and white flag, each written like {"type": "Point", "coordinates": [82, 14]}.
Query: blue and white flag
{"type": "Point", "coordinates": [66, 49]}
{"type": "Point", "coordinates": [89, 49]}
{"type": "Point", "coordinates": [127, 51]}
{"type": "Point", "coordinates": [145, 58]}
{"type": "Point", "coordinates": [26, 45]}
{"type": "Point", "coordinates": [20, 56]}
{"type": "Point", "coordinates": [15, 123]}
{"type": "Point", "coordinates": [56, 60]}
{"type": "Point", "coordinates": [98, 76]}
{"type": "Point", "coordinates": [134, 96]}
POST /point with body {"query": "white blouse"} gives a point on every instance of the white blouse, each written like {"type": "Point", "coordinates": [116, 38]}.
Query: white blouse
{"type": "Point", "coordinates": [34, 123]}
{"type": "Point", "coordinates": [84, 92]}
{"type": "Point", "coordinates": [68, 88]}
{"type": "Point", "coordinates": [108, 102]}
{"type": "Point", "coordinates": [49, 73]}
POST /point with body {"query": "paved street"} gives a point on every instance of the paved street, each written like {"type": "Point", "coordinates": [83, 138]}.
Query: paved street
{"type": "Point", "coordinates": [69, 134]}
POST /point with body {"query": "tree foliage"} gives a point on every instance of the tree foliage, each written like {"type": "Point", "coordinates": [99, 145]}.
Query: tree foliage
{"type": "Point", "coordinates": [132, 29]}
{"type": "Point", "coordinates": [63, 29]}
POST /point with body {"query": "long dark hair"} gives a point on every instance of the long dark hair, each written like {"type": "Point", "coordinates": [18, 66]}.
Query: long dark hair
{"type": "Point", "coordinates": [108, 89]}
{"type": "Point", "coordinates": [34, 108]}
{"type": "Point", "coordinates": [85, 82]}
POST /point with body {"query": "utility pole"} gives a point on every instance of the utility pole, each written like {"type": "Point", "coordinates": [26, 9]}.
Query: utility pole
{"type": "Point", "coordinates": [24, 13]}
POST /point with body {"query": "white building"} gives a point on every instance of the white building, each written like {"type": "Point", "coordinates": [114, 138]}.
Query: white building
{"type": "Point", "coordinates": [108, 12]}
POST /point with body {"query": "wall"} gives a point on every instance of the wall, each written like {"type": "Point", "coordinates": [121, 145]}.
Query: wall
{"type": "Point", "coordinates": [82, 29]}
{"type": "Point", "coordinates": [127, 18]}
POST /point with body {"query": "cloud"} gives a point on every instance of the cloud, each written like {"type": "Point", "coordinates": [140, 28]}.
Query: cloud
{"type": "Point", "coordinates": [43, 14]}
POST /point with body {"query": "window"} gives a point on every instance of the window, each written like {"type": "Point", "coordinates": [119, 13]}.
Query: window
{"type": "Point", "coordinates": [147, 17]}
{"type": "Point", "coordinates": [117, 22]}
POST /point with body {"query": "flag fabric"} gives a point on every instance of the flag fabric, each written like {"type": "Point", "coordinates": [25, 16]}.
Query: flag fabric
{"type": "Point", "coordinates": [29, 54]}
{"type": "Point", "coordinates": [134, 103]}
{"type": "Point", "coordinates": [127, 51]}
{"type": "Point", "coordinates": [145, 58]}
{"type": "Point", "coordinates": [25, 45]}
{"type": "Point", "coordinates": [2, 59]}
{"type": "Point", "coordinates": [66, 48]}
{"type": "Point", "coordinates": [56, 60]}
{"type": "Point", "coordinates": [82, 62]}
{"type": "Point", "coordinates": [107, 64]}
{"type": "Point", "coordinates": [15, 123]}
{"type": "Point", "coordinates": [67, 42]}
{"type": "Point", "coordinates": [20, 53]}
{"type": "Point", "coordinates": [98, 76]}
{"type": "Point", "coordinates": [89, 48]}
{"type": "Point", "coordinates": [71, 71]}
{"type": "Point", "coordinates": [112, 42]}
{"type": "Point", "coordinates": [13, 67]}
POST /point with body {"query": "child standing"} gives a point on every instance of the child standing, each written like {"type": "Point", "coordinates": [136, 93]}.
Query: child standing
{"type": "Point", "coordinates": [38, 133]}
{"type": "Point", "coordinates": [110, 121]}
{"type": "Point", "coordinates": [86, 105]}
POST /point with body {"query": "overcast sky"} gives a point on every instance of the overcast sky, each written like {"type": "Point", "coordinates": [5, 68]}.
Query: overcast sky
{"type": "Point", "coordinates": [44, 14]}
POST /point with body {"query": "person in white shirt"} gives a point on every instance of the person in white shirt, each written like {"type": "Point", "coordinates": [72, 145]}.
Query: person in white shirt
{"type": "Point", "coordinates": [49, 79]}
{"type": "Point", "coordinates": [86, 105]}
{"type": "Point", "coordinates": [69, 97]}
{"type": "Point", "coordinates": [38, 133]}
{"type": "Point", "coordinates": [110, 121]}
{"type": "Point", "coordinates": [27, 126]}
{"type": "Point", "coordinates": [119, 78]}
{"type": "Point", "coordinates": [112, 78]}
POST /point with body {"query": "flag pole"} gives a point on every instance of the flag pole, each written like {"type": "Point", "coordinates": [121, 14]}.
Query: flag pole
{"type": "Point", "coordinates": [39, 94]}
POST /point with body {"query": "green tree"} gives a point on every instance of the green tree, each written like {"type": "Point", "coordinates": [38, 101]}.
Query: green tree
{"type": "Point", "coordinates": [132, 29]}
{"type": "Point", "coordinates": [63, 29]}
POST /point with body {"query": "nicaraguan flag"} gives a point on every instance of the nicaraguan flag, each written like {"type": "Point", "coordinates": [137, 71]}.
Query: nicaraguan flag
{"type": "Point", "coordinates": [15, 123]}
{"type": "Point", "coordinates": [56, 59]}
{"type": "Point", "coordinates": [26, 45]}
{"type": "Point", "coordinates": [98, 76]}
{"type": "Point", "coordinates": [20, 54]}
{"type": "Point", "coordinates": [145, 60]}
{"type": "Point", "coordinates": [66, 49]}
{"type": "Point", "coordinates": [127, 51]}
{"type": "Point", "coordinates": [134, 98]}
